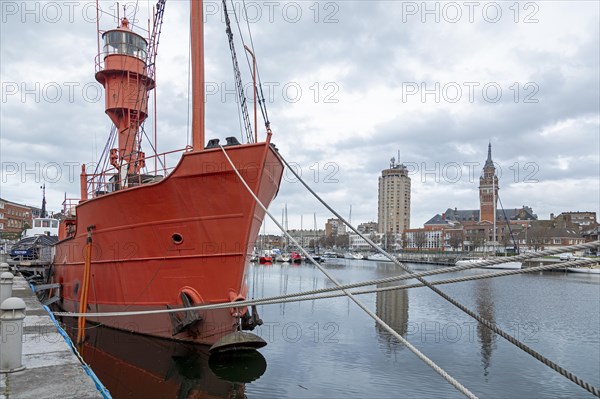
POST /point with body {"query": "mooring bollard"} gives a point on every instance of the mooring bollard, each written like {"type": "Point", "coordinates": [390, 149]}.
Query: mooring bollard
{"type": "Point", "coordinates": [4, 267]}
{"type": "Point", "coordinates": [6, 283]}
{"type": "Point", "coordinates": [12, 313]}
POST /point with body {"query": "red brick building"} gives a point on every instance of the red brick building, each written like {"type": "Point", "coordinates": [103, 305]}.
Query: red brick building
{"type": "Point", "coordinates": [13, 218]}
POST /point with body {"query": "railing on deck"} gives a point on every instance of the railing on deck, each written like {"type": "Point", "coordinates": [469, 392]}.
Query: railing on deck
{"type": "Point", "coordinates": [69, 205]}
{"type": "Point", "coordinates": [109, 180]}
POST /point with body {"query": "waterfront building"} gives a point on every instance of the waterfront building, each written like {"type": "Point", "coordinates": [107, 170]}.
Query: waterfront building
{"type": "Point", "coordinates": [583, 220]}
{"type": "Point", "coordinates": [431, 239]}
{"type": "Point", "coordinates": [307, 238]}
{"type": "Point", "coordinates": [367, 227]}
{"type": "Point", "coordinates": [545, 234]}
{"type": "Point", "coordinates": [14, 218]}
{"type": "Point", "coordinates": [590, 236]}
{"type": "Point", "coordinates": [488, 189]}
{"type": "Point", "coordinates": [334, 227]}
{"type": "Point", "coordinates": [357, 243]}
{"type": "Point", "coordinates": [393, 211]}
{"type": "Point", "coordinates": [476, 226]}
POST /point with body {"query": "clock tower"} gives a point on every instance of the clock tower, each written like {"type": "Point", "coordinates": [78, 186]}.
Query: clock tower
{"type": "Point", "coordinates": [488, 189]}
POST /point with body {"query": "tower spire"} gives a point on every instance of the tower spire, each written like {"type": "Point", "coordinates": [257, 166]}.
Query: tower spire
{"type": "Point", "coordinates": [489, 161]}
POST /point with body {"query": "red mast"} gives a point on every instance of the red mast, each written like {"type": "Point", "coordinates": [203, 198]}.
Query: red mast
{"type": "Point", "coordinates": [122, 72]}
{"type": "Point", "coordinates": [197, 43]}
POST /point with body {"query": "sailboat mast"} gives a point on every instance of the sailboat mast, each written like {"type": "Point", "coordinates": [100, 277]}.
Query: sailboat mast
{"type": "Point", "coordinates": [301, 231]}
{"type": "Point", "coordinates": [197, 47]}
{"type": "Point", "coordinates": [287, 241]}
{"type": "Point", "coordinates": [315, 226]}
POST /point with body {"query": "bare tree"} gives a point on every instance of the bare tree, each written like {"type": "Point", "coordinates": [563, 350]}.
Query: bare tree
{"type": "Point", "coordinates": [455, 240]}
{"type": "Point", "coordinates": [342, 241]}
{"type": "Point", "coordinates": [420, 239]}
{"type": "Point", "coordinates": [478, 239]}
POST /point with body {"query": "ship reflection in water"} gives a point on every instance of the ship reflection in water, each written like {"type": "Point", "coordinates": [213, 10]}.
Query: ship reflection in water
{"type": "Point", "coordinates": [136, 366]}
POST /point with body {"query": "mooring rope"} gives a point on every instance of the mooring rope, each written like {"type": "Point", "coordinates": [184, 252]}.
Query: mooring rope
{"type": "Point", "coordinates": [462, 268]}
{"type": "Point", "coordinates": [317, 293]}
{"type": "Point", "coordinates": [303, 296]}
{"type": "Point", "coordinates": [377, 319]}
{"type": "Point", "coordinates": [565, 373]}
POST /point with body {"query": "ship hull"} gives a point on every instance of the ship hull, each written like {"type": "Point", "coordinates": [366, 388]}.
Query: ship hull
{"type": "Point", "coordinates": [186, 238]}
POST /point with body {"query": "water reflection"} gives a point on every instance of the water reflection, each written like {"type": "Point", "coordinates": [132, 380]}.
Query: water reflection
{"type": "Point", "coordinates": [392, 307]}
{"type": "Point", "coordinates": [136, 366]}
{"type": "Point", "coordinates": [485, 308]}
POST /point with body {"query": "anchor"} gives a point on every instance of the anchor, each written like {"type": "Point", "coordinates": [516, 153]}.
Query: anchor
{"type": "Point", "coordinates": [188, 320]}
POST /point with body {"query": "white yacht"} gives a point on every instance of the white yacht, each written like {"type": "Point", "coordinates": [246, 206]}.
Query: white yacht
{"type": "Point", "coordinates": [504, 265]}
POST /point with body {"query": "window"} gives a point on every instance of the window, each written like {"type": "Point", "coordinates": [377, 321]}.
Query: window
{"type": "Point", "coordinates": [38, 223]}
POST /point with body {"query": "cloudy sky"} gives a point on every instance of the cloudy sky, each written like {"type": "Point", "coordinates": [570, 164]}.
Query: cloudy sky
{"type": "Point", "coordinates": [349, 85]}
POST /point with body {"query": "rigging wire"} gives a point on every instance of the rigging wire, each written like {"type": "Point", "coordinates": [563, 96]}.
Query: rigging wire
{"type": "Point", "coordinates": [317, 293]}
{"type": "Point", "coordinates": [565, 373]}
{"type": "Point", "coordinates": [137, 2]}
{"type": "Point", "coordinates": [238, 103]}
{"type": "Point", "coordinates": [152, 147]}
{"type": "Point", "coordinates": [508, 224]}
{"type": "Point", "coordinates": [238, 76]}
{"type": "Point", "coordinates": [261, 97]}
{"type": "Point", "coordinates": [369, 312]}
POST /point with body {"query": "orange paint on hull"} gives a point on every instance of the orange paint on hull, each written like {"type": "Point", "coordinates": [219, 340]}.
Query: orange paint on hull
{"type": "Point", "coordinates": [193, 231]}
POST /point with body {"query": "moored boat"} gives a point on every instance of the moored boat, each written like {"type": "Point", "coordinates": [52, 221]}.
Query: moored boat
{"type": "Point", "coordinates": [379, 257]}
{"type": "Point", "coordinates": [285, 258]}
{"type": "Point", "coordinates": [170, 238]}
{"type": "Point", "coordinates": [584, 269]}
{"type": "Point", "coordinates": [504, 265]}
{"type": "Point", "coordinates": [295, 257]}
{"type": "Point", "coordinates": [265, 257]}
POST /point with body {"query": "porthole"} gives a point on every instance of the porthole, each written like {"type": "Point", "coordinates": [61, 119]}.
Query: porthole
{"type": "Point", "coordinates": [177, 238]}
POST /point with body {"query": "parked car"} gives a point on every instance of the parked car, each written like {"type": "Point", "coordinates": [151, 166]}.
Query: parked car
{"type": "Point", "coordinates": [567, 256]}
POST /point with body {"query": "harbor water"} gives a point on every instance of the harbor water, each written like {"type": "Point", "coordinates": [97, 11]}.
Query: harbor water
{"type": "Point", "coordinates": [331, 349]}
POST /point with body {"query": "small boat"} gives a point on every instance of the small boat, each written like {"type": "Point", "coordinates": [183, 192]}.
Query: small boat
{"type": "Point", "coordinates": [585, 269]}
{"type": "Point", "coordinates": [295, 257]}
{"type": "Point", "coordinates": [265, 257]}
{"type": "Point", "coordinates": [329, 255]}
{"type": "Point", "coordinates": [42, 227]}
{"type": "Point", "coordinates": [317, 258]}
{"type": "Point", "coordinates": [504, 265]}
{"type": "Point", "coordinates": [40, 247]}
{"type": "Point", "coordinates": [285, 258]}
{"type": "Point", "coordinates": [353, 255]}
{"type": "Point", "coordinates": [279, 256]}
{"type": "Point", "coordinates": [254, 256]}
{"type": "Point", "coordinates": [378, 257]}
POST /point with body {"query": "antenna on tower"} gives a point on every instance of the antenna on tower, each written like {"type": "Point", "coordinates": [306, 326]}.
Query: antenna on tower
{"type": "Point", "coordinates": [399, 157]}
